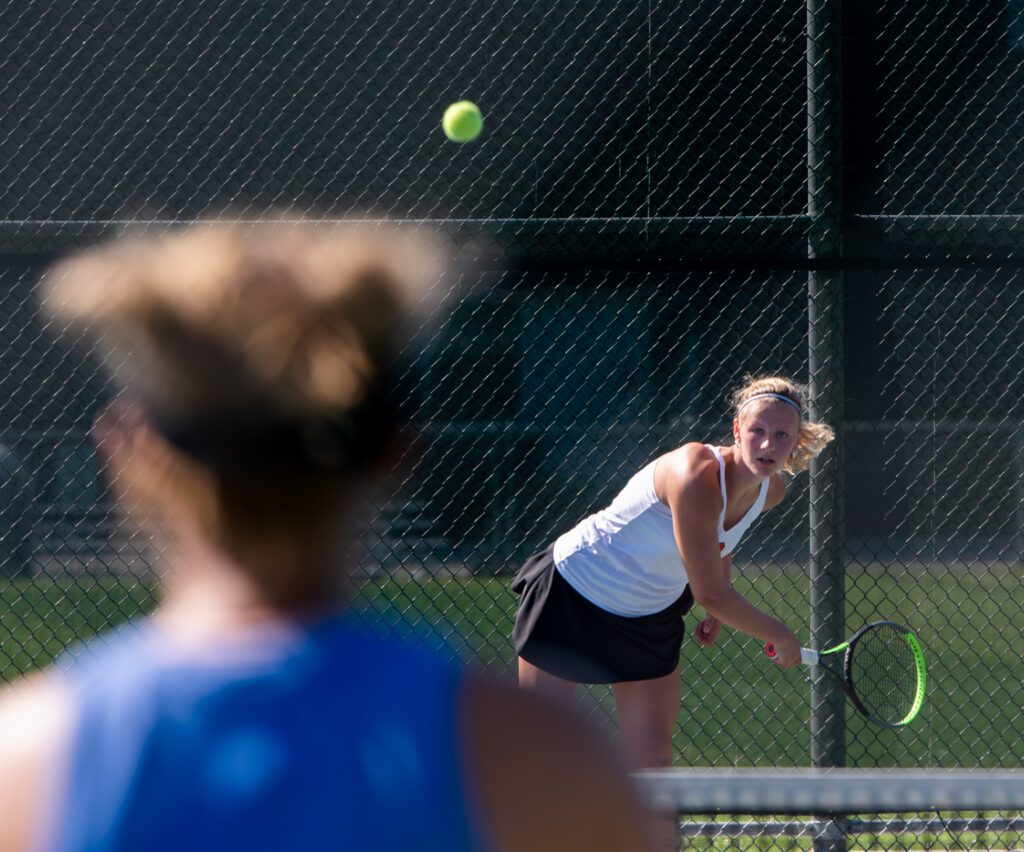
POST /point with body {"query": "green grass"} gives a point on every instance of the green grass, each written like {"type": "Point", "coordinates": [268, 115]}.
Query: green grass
{"type": "Point", "coordinates": [736, 708]}
{"type": "Point", "coordinates": [41, 617]}
{"type": "Point", "coordinates": [866, 842]}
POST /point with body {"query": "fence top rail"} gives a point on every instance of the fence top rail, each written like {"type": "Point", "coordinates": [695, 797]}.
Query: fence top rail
{"type": "Point", "coordinates": [831, 791]}
{"type": "Point", "coordinates": [951, 424]}
{"type": "Point", "coordinates": [694, 236]}
{"type": "Point", "coordinates": [772, 242]}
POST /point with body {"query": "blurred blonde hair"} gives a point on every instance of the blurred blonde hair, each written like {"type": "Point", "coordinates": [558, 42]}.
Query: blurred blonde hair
{"type": "Point", "coordinates": [306, 311]}
{"type": "Point", "coordinates": [285, 318]}
{"type": "Point", "coordinates": [812, 438]}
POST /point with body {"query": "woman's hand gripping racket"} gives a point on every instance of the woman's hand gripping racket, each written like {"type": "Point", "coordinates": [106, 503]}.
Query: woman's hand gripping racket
{"type": "Point", "coordinates": [881, 670]}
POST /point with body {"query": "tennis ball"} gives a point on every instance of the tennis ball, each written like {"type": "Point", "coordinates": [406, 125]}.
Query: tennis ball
{"type": "Point", "coordinates": [462, 121]}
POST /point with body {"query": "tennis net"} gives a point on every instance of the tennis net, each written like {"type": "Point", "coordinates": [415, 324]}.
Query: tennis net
{"type": "Point", "coordinates": [841, 809]}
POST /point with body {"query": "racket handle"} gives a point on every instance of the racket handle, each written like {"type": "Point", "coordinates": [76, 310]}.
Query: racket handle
{"type": "Point", "coordinates": [807, 656]}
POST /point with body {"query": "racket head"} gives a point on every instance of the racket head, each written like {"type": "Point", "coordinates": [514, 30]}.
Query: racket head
{"type": "Point", "coordinates": [885, 674]}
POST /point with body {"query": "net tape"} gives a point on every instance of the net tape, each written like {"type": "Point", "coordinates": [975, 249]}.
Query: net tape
{"type": "Point", "coordinates": [831, 791]}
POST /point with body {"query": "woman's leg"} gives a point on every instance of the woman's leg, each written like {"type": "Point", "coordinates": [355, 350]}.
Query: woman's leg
{"type": "Point", "coordinates": [647, 711]}
{"type": "Point", "coordinates": [531, 677]}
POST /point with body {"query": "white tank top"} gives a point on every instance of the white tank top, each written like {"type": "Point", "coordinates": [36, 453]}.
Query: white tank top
{"type": "Point", "coordinates": [625, 559]}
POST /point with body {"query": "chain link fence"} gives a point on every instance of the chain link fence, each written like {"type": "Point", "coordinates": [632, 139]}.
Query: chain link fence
{"type": "Point", "coordinates": [682, 193]}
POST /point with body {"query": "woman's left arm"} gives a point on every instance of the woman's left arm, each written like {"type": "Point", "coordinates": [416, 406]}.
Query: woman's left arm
{"type": "Point", "coordinates": [36, 724]}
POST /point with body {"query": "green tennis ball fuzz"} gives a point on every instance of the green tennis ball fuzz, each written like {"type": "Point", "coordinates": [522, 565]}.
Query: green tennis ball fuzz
{"type": "Point", "coordinates": [462, 121]}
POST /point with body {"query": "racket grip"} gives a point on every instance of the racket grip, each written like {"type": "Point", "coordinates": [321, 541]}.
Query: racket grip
{"type": "Point", "coordinates": [807, 656]}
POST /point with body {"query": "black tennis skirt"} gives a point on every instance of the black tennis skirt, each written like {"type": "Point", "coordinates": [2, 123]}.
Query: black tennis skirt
{"type": "Point", "coordinates": [561, 632]}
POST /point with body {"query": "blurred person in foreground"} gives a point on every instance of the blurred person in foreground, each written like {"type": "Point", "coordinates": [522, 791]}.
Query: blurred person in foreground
{"type": "Point", "coordinates": [248, 712]}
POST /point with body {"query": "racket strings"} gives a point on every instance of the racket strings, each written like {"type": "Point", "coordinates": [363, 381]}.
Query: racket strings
{"type": "Point", "coordinates": [883, 673]}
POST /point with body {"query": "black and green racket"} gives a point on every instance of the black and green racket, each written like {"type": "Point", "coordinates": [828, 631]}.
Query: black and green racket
{"type": "Point", "coordinates": [880, 668]}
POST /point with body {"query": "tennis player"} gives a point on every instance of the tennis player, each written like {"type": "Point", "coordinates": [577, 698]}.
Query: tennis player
{"type": "Point", "coordinates": [249, 712]}
{"type": "Point", "coordinates": [605, 603]}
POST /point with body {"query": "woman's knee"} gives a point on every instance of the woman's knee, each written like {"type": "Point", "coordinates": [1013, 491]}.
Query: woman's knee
{"type": "Point", "coordinates": [647, 740]}
{"type": "Point", "coordinates": [646, 728]}
{"type": "Point", "coordinates": [650, 751]}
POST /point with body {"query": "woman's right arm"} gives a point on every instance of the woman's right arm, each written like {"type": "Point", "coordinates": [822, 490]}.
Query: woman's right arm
{"type": "Point", "coordinates": [692, 492]}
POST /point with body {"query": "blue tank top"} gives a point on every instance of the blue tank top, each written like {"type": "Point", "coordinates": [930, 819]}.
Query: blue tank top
{"type": "Point", "coordinates": [323, 738]}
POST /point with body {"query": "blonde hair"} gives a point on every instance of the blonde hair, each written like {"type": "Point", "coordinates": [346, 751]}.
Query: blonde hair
{"type": "Point", "coordinates": [304, 313]}
{"type": "Point", "coordinates": [223, 329]}
{"type": "Point", "coordinates": [812, 438]}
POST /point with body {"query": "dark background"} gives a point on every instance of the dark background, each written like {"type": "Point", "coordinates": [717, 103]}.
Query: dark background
{"type": "Point", "coordinates": [664, 141]}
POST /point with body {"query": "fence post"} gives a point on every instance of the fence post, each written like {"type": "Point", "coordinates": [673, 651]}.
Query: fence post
{"type": "Point", "coordinates": [825, 356]}
{"type": "Point", "coordinates": [16, 516]}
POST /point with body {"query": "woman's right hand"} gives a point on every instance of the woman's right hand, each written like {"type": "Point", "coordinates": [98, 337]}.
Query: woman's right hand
{"type": "Point", "coordinates": [786, 648]}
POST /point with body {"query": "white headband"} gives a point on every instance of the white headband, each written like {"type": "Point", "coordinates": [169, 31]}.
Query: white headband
{"type": "Point", "coordinates": [777, 396]}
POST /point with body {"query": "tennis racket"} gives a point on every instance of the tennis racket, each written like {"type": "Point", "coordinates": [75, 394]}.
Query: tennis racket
{"type": "Point", "coordinates": [880, 668]}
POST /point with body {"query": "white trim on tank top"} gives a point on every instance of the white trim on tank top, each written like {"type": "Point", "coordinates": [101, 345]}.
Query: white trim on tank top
{"type": "Point", "coordinates": [728, 539]}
